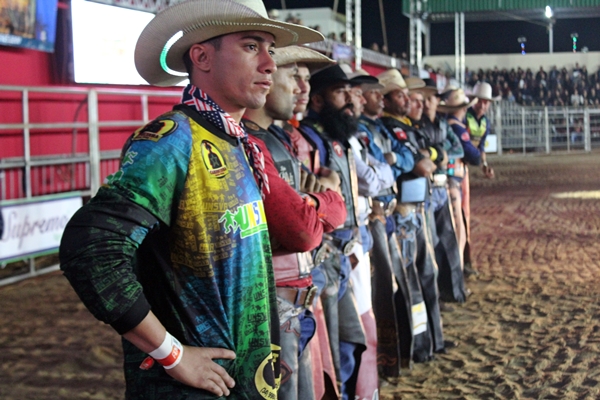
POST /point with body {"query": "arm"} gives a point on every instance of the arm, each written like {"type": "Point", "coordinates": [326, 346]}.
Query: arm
{"type": "Point", "coordinates": [472, 154]}
{"type": "Point", "coordinates": [295, 223]}
{"type": "Point", "coordinates": [452, 144]}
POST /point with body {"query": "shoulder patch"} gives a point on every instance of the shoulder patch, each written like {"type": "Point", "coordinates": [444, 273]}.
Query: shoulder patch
{"type": "Point", "coordinates": [213, 159]}
{"type": "Point", "coordinates": [465, 137]}
{"type": "Point", "coordinates": [252, 125]}
{"type": "Point", "coordinates": [338, 149]}
{"type": "Point", "coordinates": [155, 130]}
{"type": "Point", "coordinates": [400, 134]}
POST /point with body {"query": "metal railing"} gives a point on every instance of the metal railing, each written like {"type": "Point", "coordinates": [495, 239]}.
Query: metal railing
{"type": "Point", "coordinates": [544, 129]}
{"type": "Point", "coordinates": [28, 175]}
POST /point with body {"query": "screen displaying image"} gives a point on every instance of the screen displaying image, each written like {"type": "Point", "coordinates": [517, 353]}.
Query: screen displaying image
{"type": "Point", "coordinates": [104, 40]}
{"type": "Point", "coordinates": [28, 23]}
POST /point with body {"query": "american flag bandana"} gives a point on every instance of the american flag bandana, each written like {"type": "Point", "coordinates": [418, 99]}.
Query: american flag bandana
{"type": "Point", "coordinates": [195, 97]}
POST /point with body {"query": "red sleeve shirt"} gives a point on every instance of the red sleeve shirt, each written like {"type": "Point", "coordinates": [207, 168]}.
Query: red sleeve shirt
{"type": "Point", "coordinates": [293, 222]}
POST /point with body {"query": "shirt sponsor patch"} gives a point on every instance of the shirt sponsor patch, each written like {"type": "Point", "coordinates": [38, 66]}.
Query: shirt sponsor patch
{"type": "Point", "coordinates": [155, 130]}
{"type": "Point", "coordinates": [465, 137]}
{"type": "Point", "coordinates": [338, 149]}
{"type": "Point", "coordinates": [400, 134]}
{"type": "Point", "coordinates": [213, 160]}
{"type": "Point", "coordinates": [249, 219]}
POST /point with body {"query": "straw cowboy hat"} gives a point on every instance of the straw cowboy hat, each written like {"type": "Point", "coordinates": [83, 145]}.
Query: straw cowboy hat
{"type": "Point", "coordinates": [483, 91]}
{"type": "Point", "coordinates": [430, 88]}
{"type": "Point", "coordinates": [391, 80]}
{"type": "Point", "coordinates": [362, 78]}
{"type": "Point", "coordinates": [414, 84]}
{"type": "Point", "coordinates": [300, 54]}
{"type": "Point", "coordinates": [455, 100]}
{"type": "Point", "coordinates": [161, 45]}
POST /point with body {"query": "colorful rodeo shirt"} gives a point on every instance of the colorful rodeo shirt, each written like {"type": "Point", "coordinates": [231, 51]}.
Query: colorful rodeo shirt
{"type": "Point", "coordinates": [186, 195]}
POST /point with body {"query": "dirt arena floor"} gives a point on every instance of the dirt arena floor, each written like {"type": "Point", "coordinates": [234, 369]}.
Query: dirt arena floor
{"type": "Point", "coordinates": [530, 330]}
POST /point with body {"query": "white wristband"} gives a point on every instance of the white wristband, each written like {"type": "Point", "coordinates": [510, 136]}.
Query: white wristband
{"type": "Point", "coordinates": [169, 353]}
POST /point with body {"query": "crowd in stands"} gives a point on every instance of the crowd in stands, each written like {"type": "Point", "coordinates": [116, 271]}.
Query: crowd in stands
{"type": "Point", "coordinates": [557, 87]}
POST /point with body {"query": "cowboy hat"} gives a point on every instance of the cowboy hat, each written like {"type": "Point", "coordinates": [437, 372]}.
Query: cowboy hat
{"type": "Point", "coordinates": [430, 88]}
{"type": "Point", "coordinates": [413, 83]}
{"type": "Point", "coordinates": [327, 77]}
{"type": "Point", "coordinates": [163, 42]}
{"type": "Point", "coordinates": [456, 100]}
{"type": "Point", "coordinates": [361, 77]}
{"type": "Point", "coordinates": [300, 54]}
{"type": "Point", "coordinates": [391, 80]}
{"type": "Point", "coordinates": [483, 91]}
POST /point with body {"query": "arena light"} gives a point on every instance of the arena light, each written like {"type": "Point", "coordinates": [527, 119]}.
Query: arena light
{"type": "Point", "coordinates": [549, 13]}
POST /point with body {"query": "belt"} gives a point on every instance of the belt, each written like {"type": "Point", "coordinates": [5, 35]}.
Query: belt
{"type": "Point", "coordinates": [405, 208]}
{"type": "Point", "coordinates": [345, 245]}
{"type": "Point", "coordinates": [380, 208]}
{"type": "Point", "coordinates": [299, 297]}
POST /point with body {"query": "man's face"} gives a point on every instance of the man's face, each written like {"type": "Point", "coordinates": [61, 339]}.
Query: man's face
{"type": "Point", "coordinates": [416, 106]}
{"type": "Point", "coordinates": [302, 80]}
{"type": "Point", "coordinates": [482, 106]}
{"type": "Point", "coordinates": [338, 97]}
{"type": "Point", "coordinates": [358, 101]}
{"type": "Point", "coordinates": [431, 103]}
{"type": "Point", "coordinates": [281, 100]}
{"type": "Point", "coordinates": [243, 68]}
{"type": "Point", "coordinates": [397, 102]}
{"type": "Point", "coordinates": [373, 102]}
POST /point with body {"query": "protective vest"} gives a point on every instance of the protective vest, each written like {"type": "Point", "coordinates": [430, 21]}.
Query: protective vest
{"type": "Point", "coordinates": [341, 160]}
{"type": "Point", "coordinates": [286, 266]}
{"type": "Point", "coordinates": [476, 129]}
{"type": "Point", "coordinates": [385, 145]}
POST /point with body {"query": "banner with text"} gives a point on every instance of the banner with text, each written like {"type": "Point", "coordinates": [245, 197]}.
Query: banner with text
{"type": "Point", "coordinates": [35, 227]}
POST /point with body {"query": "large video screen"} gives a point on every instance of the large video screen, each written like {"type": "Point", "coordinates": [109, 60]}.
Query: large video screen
{"type": "Point", "coordinates": [104, 40]}
{"type": "Point", "coordinates": [28, 23]}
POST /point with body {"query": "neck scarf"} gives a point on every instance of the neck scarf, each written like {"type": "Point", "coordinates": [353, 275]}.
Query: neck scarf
{"type": "Point", "coordinates": [195, 97]}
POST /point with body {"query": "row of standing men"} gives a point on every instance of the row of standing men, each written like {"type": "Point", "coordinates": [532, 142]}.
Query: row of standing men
{"type": "Point", "coordinates": [356, 207]}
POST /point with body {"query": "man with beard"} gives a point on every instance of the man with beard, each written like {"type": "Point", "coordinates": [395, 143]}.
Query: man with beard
{"type": "Point", "coordinates": [447, 250]}
{"type": "Point", "coordinates": [292, 207]}
{"type": "Point", "coordinates": [385, 148]}
{"type": "Point", "coordinates": [328, 126]}
{"type": "Point", "coordinates": [410, 223]}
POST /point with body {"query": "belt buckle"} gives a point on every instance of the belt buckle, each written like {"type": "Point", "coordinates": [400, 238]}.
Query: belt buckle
{"type": "Point", "coordinates": [310, 296]}
{"type": "Point", "coordinates": [390, 207]}
{"type": "Point", "coordinates": [322, 254]}
{"type": "Point", "coordinates": [347, 250]}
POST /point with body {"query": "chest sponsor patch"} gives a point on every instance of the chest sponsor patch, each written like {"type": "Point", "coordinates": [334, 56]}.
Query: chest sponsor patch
{"type": "Point", "coordinates": [249, 219]}
{"type": "Point", "coordinates": [155, 130]}
{"type": "Point", "coordinates": [213, 160]}
{"type": "Point", "coordinates": [465, 137]}
{"type": "Point", "coordinates": [400, 134]}
{"type": "Point", "coordinates": [338, 149]}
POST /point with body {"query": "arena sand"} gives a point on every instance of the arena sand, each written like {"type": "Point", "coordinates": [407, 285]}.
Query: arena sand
{"type": "Point", "coordinates": [530, 330]}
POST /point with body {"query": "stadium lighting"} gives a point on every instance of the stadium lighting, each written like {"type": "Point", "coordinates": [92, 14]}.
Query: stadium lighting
{"type": "Point", "coordinates": [574, 36]}
{"type": "Point", "coordinates": [549, 13]}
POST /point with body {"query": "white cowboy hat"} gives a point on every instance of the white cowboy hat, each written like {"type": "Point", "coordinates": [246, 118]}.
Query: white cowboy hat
{"type": "Point", "coordinates": [300, 54]}
{"type": "Point", "coordinates": [455, 100]}
{"type": "Point", "coordinates": [483, 90]}
{"type": "Point", "coordinates": [160, 48]}
{"type": "Point", "coordinates": [391, 80]}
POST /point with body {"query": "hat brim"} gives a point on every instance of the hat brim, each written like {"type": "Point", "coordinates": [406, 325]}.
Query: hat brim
{"type": "Point", "coordinates": [198, 21]}
{"type": "Point", "coordinates": [426, 91]}
{"type": "Point", "coordinates": [487, 98]}
{"type": "Point", "coordinates": [447, 109]}
{"type": "Point", "coordinates": [364, 79]}
{"type": "Point", "coordinates": [301, 55]}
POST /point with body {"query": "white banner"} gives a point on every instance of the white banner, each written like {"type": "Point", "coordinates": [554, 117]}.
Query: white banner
{"type": "Point", "coordinates": [491, 144]}
{"type": "Point", "coordinates": [35, 227]}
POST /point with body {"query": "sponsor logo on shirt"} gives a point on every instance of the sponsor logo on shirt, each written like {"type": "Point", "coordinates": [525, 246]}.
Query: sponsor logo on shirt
{"type": "Point", "coordinates": [155, 130]}
{"type": "Point", "coordinates": [465, 137]}
{"type": "Point", "coordinates": [249, 219]}
{"type": "Point", "coordinates": [338, 149]}
{"type": "Point", "coordinates": [400, 134]}
{"type": "Point", "coordinates": [213, 160]}
{"type": "Point", "coordinates": [268, 376]}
